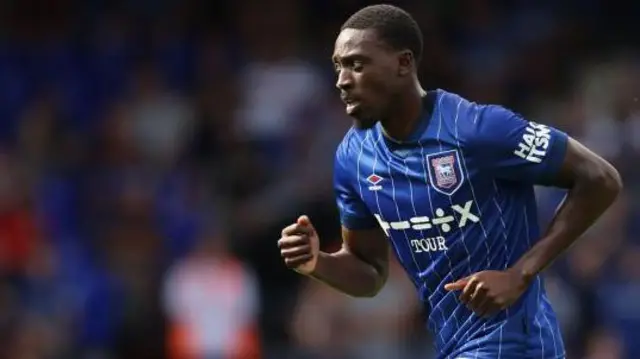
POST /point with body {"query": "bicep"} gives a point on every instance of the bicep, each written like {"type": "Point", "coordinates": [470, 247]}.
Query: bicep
{"type": "Point", "coordinates": [580, 163]}
{"type": "Point", "coordinates": [369, 245]}
{"type": "Point", "coordinates": [362, 236]}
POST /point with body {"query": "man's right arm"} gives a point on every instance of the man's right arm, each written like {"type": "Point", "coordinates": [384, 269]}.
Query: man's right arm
{"type": "Point", "coordinates": [360, 268]}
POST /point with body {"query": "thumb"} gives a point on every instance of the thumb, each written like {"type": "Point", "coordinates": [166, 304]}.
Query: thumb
{"type": "Point", "coordinates": [457, 285]}
{"type": "Point", "coordinates": [304, 221]}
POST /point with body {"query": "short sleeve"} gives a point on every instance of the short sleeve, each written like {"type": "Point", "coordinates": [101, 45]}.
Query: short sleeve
{"type": "Point", "coordinates": [354, 213]}
{"type": "Point", "coordinates": [516, 149]}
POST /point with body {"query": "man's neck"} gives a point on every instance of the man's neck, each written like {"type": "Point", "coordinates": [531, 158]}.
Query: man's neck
{"type": "Point", "coordinates": [401, 123]}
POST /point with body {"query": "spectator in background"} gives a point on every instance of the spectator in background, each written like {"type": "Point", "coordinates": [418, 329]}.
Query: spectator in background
{"type": "Point", "coordinates": [618, 300]}
{"type": "Point", "coordinates": [211, 300]}
{"type": "Point", "coordinates": [604, 345]}
{"type": "Point", "coordinates": [19, 232]}
{"type": "Point", "coordinates": [161, 120]}
{"type": "Point", "coordinates": [328, 324]}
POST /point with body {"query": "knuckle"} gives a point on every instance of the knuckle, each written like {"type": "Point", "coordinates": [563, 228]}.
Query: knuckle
{"type": "Point", "coordinates": [287, 252]}
{"type": "Point", "coordinates": [289, 262]}
{"type": "Point", "coordinates": [289, 229]}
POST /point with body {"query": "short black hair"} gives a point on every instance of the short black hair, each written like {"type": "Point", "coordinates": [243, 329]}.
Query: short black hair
{"type": "Point", "coordinates": [394, 26]}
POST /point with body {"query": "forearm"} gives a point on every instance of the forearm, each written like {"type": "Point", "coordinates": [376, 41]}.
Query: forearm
{"type": "Point", "coordinates": [348, 274]}
{"type": "Point", "coordinates": [586, 201]}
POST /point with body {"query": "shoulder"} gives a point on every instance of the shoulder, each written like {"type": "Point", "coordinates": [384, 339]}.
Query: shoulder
{"type": "Point", "coordinates": [452, 104]}
{"type": "Point", "coordinates": [476, 123]}
{"type": "Point", "coordinates": [456, 117]}
{"type": "Point", "coordinates": [495, 124]}
{"type": "Point", "coordinates": [352, 145]}
{"type": "Point", "coordinates": [456, 111]}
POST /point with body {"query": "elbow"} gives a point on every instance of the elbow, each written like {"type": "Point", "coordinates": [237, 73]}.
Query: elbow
{"type": "Point", "coordinates": [613, 182]}
{"type": "Point", "coordinates": [375, 289]}
{"type": "Point", "coordinates": [376, 282]}
{"type": "Point", "coordinates": [609, 181]}
{"type": "Point", "coordinates": [371, 293]}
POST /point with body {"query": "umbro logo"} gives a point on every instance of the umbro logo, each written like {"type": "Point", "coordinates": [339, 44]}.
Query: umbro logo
{"type": "Point", "coordinates": [375, 180]}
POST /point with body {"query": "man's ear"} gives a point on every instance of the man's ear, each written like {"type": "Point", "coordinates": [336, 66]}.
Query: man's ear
{"type": "Point", "coordinates": [406, 63]}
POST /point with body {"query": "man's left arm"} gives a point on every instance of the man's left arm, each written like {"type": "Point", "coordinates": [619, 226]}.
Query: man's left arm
{"type": "Point", "coordinates": [514, 149]}
{"type": "Point", "coordinates": [593, 185]}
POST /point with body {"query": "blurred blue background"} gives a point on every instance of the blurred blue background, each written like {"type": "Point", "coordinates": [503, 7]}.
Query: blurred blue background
{"type": "Point", "coordinates": [151, 152]}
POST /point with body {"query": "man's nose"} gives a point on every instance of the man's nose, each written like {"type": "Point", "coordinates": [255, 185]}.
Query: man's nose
{"type": "Point", "coordinates": [345, 80]}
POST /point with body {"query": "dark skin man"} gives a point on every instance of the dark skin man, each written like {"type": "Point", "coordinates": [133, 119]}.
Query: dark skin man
{"type": "Point", "coordinates": [380, 83]}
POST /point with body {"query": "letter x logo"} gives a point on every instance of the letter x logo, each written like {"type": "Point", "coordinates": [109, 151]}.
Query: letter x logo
{"type": "Point", "coordinates": [465, 213]}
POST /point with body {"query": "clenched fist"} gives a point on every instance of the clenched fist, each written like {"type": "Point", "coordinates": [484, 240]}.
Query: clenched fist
{"type": "Point", "coordinates": [299, 246]}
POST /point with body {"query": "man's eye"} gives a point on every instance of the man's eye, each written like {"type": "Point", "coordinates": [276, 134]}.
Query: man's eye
{"type": "Point", "coordinates": [357, 66]}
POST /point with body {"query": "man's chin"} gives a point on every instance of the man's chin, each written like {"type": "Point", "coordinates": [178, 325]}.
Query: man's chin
{"type": "Point", "coordinates": [360, 119]}
{"type": "Point", "coordinates": [364, 124]}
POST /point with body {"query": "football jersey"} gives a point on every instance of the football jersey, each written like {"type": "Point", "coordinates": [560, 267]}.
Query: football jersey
{"type": "Point", "coordinates": [455, 198]}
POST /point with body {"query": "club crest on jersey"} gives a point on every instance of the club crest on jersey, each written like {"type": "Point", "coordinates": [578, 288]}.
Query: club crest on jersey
{"type": "Point", "coordinates": [445, 171]}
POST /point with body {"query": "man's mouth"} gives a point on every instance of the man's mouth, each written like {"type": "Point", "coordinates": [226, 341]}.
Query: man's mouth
{"type": "Point", "coordinates": [348, 100]}
{"type": "Point", "coordinates": [351, 107]}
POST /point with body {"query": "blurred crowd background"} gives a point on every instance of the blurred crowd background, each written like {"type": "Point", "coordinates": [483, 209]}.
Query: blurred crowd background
{"type": "Point", "coordinates": [151, 151]}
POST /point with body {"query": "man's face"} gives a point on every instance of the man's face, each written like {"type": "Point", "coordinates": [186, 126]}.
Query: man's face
{"type": "Point", "coordinates": [369, 74]}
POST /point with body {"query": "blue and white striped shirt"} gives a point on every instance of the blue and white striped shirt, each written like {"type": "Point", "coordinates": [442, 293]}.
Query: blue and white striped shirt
{"type": "Point", "coordinates": [454, 199]}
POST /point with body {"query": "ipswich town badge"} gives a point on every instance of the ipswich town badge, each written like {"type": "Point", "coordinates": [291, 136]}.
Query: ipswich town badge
{"type": "Point", "coordinates": [445, 171]}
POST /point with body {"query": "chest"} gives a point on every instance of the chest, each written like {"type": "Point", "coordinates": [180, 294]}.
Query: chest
{"type": "Point", "coordinates": [422, 189]}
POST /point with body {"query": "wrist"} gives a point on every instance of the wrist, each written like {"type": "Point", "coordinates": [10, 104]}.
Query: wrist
{"type": "Point", "coordinates": [320, 263]}
{"type": "Point", "coordinates": [523, 277]}
{"type": "Point", "coordinates": [313, 267]}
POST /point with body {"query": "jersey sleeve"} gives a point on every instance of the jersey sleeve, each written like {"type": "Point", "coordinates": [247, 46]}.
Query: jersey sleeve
{"type": "Point", "coordinates": [516, 149]}
{"type": "Point", "coordinates": [354, 214]}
